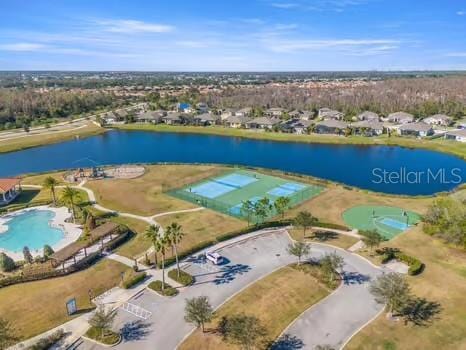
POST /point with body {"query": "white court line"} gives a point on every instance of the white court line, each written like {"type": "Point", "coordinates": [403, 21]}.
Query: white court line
{"type": "Point", "coordinates": [136, 310]}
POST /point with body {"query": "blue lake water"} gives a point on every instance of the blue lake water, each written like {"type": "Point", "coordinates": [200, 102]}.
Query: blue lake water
{"type": "Point", "coordinates": [30, 229]}
{"type": "Point", "coordinates": [389, 169]}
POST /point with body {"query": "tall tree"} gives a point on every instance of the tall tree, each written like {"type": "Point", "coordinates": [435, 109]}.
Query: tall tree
{"type": "Point", "coordinates": [262, 208]}
{"type": "Point", "coordinates": [391, 289]}
{"type": "Point", "coordinates": [7, 337]}
{"type": "Point", "coordinates": [281, 205]}
{"type": "Point", "coordinates": [198, 311]}
{"type": "Point", "coordinates": [330, 263]}
{"type": "Point", "coordinates": [372, 238]}
{"type": "Point", "coordinates": [299, 249]}
{"type": "Point", "coordinates": [152, 234]}
{"type": "Point", "coordinates": [103, 319]}
{"type": "Point", "coordinates": [175, 235]}
{"type": "Point", "coordinates": [244, 330]}
{"type": "Point", "coordinates": [69, 195]}
{"type": "Point", "coordinates": [6, 263]}
{"type": "Point", "coordinates": [247, 209]}
{"type": "Point", "coordinates": [50, 183]}
{"type": "Point", "coordinates": [304, 220]}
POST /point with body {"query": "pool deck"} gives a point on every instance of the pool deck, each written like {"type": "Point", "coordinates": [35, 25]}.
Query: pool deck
{"type": "Point", "coordinates": [71, 232]}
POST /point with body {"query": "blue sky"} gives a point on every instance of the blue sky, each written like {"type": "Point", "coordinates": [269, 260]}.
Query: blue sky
{"type": "Point", "coordinates": [244, 35]}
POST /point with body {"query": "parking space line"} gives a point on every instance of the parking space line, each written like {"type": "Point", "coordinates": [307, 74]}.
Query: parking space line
{"type": "Point", "coordinates": [136, 310]}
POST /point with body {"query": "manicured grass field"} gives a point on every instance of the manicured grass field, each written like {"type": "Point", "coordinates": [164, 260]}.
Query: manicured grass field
{"type": "Point", "coordinates": [144, 195]}
{"type": "Point", "coordinates": [275, 300]}
{"type": "Point", "coordinates": [388, 221]}
{"type": "Point", "coordinates": [35, 307]}
{"type": "Point", "coordinates": [226, 193]}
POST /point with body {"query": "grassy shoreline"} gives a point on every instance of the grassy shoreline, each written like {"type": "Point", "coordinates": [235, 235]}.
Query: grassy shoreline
{"type": "Point", "coordinates": [439, 145]}
{"type": "Point", "coordinates": [23, 143]}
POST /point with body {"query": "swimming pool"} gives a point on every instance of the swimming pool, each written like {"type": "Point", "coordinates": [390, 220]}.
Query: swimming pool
{"type": "Point", "coordinates": [30, 228]}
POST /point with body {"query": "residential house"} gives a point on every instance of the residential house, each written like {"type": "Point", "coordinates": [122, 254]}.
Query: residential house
{"type": "Point", "coordinates": [331, 126]}
{"type": "Point", "coordinates": [274, 112]}
{"type": "Point", "coordinates": [303, 115]}
{"type": "Point", "coordinates": [172, 118]}
{"type": "Point", "coordinates": [206, 119]}
{"type": "Point", "coordinates": [368, 116]}
{"type": "Point", "coordinates": [368, 128]}
{"type": "Point", "coordinates": [184, 107]}
{"type": "Point", "coordinates": [237, 122]}
{"type": "Point", "coordinates": [153, 117]}
{"type": "Point", "coordinates": [112, 118]}
{"type": "Point", "coordinates": [328, 114]}
{"type": "Point", "coordinates": [438, 119]}
{"type": "Point", "coordinates": [10, 188]}
{"type": "Point", "coordinates": [122, 114]}
{"type": "Point", "coordinates": [227, 112]}
{"type": "Point", "coordinates": [296, 126]}
{"type": "Point", "coordinates": [400, 118]}
{"type": "Point", "coordinates": [244, 112]}
{"type": "Point", "coordinates": [419, 129]}
{"type": "Point", "coordinates": [202, 107]}
{"type": "Point", "coordinates": [456, 135]}
{"type": "Point", "coordinates": [262, 123]}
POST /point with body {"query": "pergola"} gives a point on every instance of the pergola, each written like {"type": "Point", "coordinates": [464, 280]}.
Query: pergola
{"type": "Point", "coordinates": [9, 190]}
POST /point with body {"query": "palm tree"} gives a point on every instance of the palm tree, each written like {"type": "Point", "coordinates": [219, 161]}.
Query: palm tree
{"type": "Point", "coordinates": [50, 183]}
{"type": "Point", "coordinates": [69, 195]}
{"type": "Point", "coordinates": [175, 235]}
{"type": "Point", "coordinates": [160, 245]}
{"type": "Point", "coordinates": [152, 234]}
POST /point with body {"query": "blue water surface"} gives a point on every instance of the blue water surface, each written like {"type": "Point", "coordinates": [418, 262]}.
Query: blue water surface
{"type": "Point", "coordinates": [360, 166]}
{"type": "Point", "coordinates": [30, 229]}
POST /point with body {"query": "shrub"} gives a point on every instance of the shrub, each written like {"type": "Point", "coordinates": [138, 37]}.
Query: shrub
{"type": "Point", "coordinates": [415, 265]}
{"type": "Point", "coordinates": [6, 263]}
{"type": "Point", "coordinates": [168, 291]}
{"type": "Point", "coordinates": [185, 278]}
{"type": "Point", "coordinates": [47, 342]}
{"type": "Point", "coordinates": [109, 337]}
{"type": "Point", "coordinates": [132, 278]}
{"type": "Point", "coordinates": [48, 251]}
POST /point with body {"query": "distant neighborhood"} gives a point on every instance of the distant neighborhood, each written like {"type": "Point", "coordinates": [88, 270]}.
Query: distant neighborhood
{"type": "Point", "coordinates": [323, 121]}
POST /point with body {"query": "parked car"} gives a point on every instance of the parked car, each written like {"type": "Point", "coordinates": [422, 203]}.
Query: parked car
{"type": "Point", "coordinates": [215, 258]}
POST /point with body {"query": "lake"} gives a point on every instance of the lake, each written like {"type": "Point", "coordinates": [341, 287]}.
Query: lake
{"type": "Point", "coordinates": [389, 169]}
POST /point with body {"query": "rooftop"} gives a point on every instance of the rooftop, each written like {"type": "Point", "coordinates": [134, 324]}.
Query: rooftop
{"type": "Point", "coordinates": [7, 184]}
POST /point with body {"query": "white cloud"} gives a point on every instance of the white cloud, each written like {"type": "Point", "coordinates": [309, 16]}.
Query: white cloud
{"type": "Point", "coordinates": [192, 44]}
{"type": "Point", "coordinates": [461, 13]}
{"type": "Point", "coordinates": [456, 54]}
{"type": "Point", "coordinates": [291, 45]}
{"type": "Point", "coordinates": [22, 47]}
{"type": "Point", "coordinates": [133, 26]}
{"type": "Point", "coordinates": [284, 5]}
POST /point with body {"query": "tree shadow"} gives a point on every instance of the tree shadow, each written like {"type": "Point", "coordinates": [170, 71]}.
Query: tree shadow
{"type": "Point", "coordinates": [135, 330]}
{"type": "Point", "coordinates": [287, 342]}
{"type": "Point", "coordinates": [350, 278]}
{"type": "Point", "coordinates": [323, 236]}
{"type": "Point", "coordinates": [421, 312]}
{"type": "Point", "coordinates": [230, 272]}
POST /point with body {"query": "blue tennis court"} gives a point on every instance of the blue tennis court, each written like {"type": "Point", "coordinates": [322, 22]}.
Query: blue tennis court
{"type": "Point", "coordinates": [280, 192]}
{"type": "Point", "coordinates": [236, 210]}
{"type": "Point", "coordinates": [236, 180]}
{"type": "Point", "coordinates": [394, 223]}
{"type": "Point", "coordinates": [293, 186]}
{"type": "Point", "coordinates": [210, 189]}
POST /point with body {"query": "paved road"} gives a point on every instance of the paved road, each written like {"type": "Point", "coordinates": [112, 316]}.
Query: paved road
{"type": "Point", "coordinates": [149, 321]}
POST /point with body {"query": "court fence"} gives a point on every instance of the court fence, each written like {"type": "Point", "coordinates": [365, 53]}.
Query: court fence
{"type": "Point", "coordinates": [237, 210]}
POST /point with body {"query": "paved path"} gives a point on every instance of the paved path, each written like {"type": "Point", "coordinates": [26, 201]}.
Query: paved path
{"type": "Point", "coordinates": [332, 321]}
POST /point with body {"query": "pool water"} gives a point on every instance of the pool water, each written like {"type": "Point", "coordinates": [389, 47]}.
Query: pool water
{"type": "Point", "coordinates": [30, 229]}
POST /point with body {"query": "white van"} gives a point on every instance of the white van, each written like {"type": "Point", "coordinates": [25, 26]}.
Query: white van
{"type": "Point", "coordinates": [216, 258]}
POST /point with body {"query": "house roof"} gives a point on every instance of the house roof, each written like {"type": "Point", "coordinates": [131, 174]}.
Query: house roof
{"type": "Point", "coordinates": [438, 117]}
{"type": "Point", "coordinates": [333, 124]}
{"type": "Point", "coordinates": [375, 125]}
{"type": "Point", "coordinates": [368, 115]}
{"type": "Point", "coordinates": [172, 116]}
{"type": "Point", "coordinates": [235, 119]}
{"type": "Point", "coordinates": [244, 110]}
{"type": "Point", "coordinates": [153, 115]}
{"type": "Point", "coordinates": [400, 116]}
{"type": "Point", "coordinates": [7, 184]}
{"type": "Point", "coordinates": [122, 113]}
{"type": "Point", "coordinates": [330, 113]}
{"type": "Point", "coordinates": [264, 121]}
{"type": "Point", "coordinates": [207, 117]}
{"type": "Point", "coordinates": [420, 126]}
